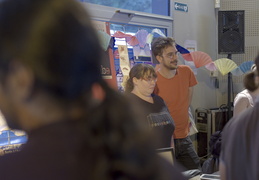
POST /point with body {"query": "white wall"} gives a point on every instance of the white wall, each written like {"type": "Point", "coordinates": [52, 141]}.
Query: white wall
{"type": "Point", "coordinates": [199, 24]}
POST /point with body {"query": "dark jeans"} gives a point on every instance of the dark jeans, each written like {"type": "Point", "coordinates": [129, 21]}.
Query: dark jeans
{"type": "Point", "coordinates": [185, 154]}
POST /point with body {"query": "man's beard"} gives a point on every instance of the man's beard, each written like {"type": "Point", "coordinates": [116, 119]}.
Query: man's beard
{"type": "Point", "coordinates": [170, 67]}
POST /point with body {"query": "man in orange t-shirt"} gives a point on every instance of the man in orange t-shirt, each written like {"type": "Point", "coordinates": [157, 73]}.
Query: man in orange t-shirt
{"type": "Point", "coordinates": [175, 85]}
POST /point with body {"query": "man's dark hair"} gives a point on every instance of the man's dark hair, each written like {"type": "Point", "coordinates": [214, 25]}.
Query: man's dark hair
{"type": "Point", "coordinates": [160, 43]}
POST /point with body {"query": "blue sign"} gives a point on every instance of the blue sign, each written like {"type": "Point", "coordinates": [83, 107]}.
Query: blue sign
{"type": "Point", "coordinates": [181, 7]}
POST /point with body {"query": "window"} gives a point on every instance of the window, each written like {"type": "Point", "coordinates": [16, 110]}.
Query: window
{"type": "Point", "coordinates": [160, 7]}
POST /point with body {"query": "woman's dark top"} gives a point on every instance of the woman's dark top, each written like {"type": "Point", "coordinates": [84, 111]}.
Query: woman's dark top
{"type": "Point", "coordinates": [159, 119]}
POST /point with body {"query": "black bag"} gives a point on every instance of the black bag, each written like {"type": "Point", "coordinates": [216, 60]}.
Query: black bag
{"type": "Point", "coordinates": [211, 165]}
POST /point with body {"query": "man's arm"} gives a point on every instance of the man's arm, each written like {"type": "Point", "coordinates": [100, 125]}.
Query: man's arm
{"type": "Point", "coordinates": [190, 95]}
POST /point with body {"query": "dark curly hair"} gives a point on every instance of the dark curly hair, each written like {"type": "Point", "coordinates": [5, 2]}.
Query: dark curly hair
{"type": "Point", "coordinates": [56, 41]}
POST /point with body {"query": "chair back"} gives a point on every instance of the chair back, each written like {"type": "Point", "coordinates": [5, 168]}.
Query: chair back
{"type": "Point", "coordinates": [167, 153]}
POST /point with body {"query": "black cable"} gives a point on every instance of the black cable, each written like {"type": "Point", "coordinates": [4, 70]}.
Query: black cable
{"type": "Point", "coordinates": [221, 109]}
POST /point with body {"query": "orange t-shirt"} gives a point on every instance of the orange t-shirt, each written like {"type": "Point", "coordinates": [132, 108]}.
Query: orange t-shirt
{"type": "Point", "coordinates": [175, 92]}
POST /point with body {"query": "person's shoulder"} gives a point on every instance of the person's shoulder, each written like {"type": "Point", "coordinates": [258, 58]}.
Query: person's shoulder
{"type": "Point", "coordinates": [238, 123]}
{"type": "Point", "coordinates": [244, 92]}
{"type": "Point", "coordinates": [158, 98]}
{"type": "Point", "coordinates": [243, 95]}
{"type": "Point", "coordinates": [184, 67]}
{"type": "Point", "coordinates": [240, 128]}
{"type": "Point", "coordinates": [131, 96]}
{"type": "Point", "coordinates": [155, 96]}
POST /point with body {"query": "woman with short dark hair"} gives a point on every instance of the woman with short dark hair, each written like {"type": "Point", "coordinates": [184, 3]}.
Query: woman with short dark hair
{"type": "Point", "coordinates": [140, 86]}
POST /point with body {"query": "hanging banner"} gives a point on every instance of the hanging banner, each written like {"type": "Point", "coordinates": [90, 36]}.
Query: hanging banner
{"type": "Point", "coordinates": [124, 62]}
{"type": "Point", "coordinates": [191, 46]}
{"type": "Point", "coordinates": [107, 63]}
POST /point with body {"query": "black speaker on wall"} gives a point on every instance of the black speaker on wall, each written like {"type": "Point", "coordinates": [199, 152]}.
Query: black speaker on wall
{"type": "Point", "coordinates": [231, 32]}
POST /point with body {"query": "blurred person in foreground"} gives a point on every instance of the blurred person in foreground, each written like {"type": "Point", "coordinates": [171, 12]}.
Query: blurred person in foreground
{"type": "Point", "coordinates": [140, 87]}
{"type": "Point", "coordinates": [175, 85]}
{"type": "Point", "coordinates": [239, 158]}
{"type": "Point", "coordinates": [51, 87]}
{"type": "Point", "coordinates": [245, 99]}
